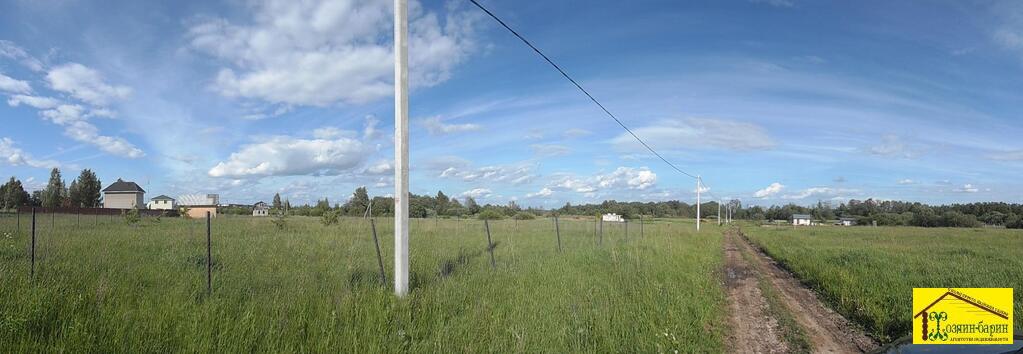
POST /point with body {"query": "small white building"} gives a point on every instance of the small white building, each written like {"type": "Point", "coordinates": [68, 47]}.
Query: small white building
{"type": "Point", "coordinates": [612, 217]}
{"type": "Point", "coordinates": [847, 221]}
{"type": "Point", "coordinates": [261, 209]}
{"type": "Point", "coordinates": [802, 220]}
{"type": "Point", "coordinates": [162, 202]}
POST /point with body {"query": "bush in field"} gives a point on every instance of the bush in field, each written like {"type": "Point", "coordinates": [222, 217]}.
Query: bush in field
{"type": "Point", "coordinates": [1013, 221]}
{"type": "Point", "coordinates": [957, 219]}
{"type": "Point", "coordinates": [490, 214]}
{"type": "Point", "coordinates": [279, 221]}
{"type": "Point", "coordinates": [330, 217]}
{"type": "Point", "coordinates": [131, 217]}
{"type": "Point", "coordinates": [524, 216]}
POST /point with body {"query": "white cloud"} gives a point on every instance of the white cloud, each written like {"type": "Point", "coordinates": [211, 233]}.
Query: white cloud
{"type": "Point", "coordinates": [550, 150]}
{"type": "Point", "coordinates": [698, 133]}
{"type": "Point", "coordinates": [575, 133]}
{"type": "Point", "coordinates": [820, 192]}
{"type": "Point", "coordinates": [967, 188]}
{"type": "Point", "coordinates": [76, 126]}
{"type": "Point", "coordinates": [773, 189]}
{"type": "Point", "coordinates": [288, 156]}
{"type": "Point", "coordinates": [322, 52]}
{"type": "Point", "coordinates": [906, 181]}
{"type": "Point", "coordinates": [477, 193]}
{"type": "Point", "coordinates": [11, 85]}
{"type": "Point", "coordinates": [1016, 155]}
{"type": "Point", "coordinates": [893, 146]}
{"type": "Point", "coordinates": [516, 174]}
{"type": "Point", "coordinates": [85, 84]}
{"type": "Point", "coordinates": [574, 184]}
{"type": "Point", "coordinates": [628, 177]}
{"type": "Point", "coordinates": [381, 167]}
{"type": "Point", "coordinates": [437, 127]}
{"type": "Point", "coordinates": [545, 192]}
{"type": "Point", "coordinates": [332, 132]}
{"type": "Point", "coordinates": [38, 102]}
{"type": "Point", "coordinates": [14, 156]}
{"type": "Point", "coordinates": [775, 3]}
{"type": "Point", "coordinates": [9, 50]}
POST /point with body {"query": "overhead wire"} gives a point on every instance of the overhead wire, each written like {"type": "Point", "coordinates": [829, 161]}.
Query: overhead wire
{"type": "Point", "coordinates": [587, 93]}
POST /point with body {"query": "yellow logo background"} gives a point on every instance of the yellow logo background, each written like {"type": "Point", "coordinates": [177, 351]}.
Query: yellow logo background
{"type": "Point", "coordinates": [962, 316]}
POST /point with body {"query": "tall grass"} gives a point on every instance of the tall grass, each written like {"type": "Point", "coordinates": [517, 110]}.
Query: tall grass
{"type": "Point", "coordinates": [868, 274]}
{"type": "Point", "coordinates": [111, 287]}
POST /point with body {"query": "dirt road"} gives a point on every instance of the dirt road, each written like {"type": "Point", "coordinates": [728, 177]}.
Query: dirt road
{"type": "Point", "coordinates": [771, 312]}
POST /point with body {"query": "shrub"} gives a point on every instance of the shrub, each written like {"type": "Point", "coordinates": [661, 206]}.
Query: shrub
{"type": "Point", "coordinates": [330, 217]}
{"type": "Point", "coordinates": [131, 217]}
{"type": "Point", "coordinates": [524, 216]}
{"type": "Point", "coordinates": [490, 214]}
{"type": "Point", "coordinates": [279, 222]}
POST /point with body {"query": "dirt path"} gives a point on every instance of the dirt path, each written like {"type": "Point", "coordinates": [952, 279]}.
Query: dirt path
{"type": "Point", "coordinates": [825, 330]}
{"type": "Point", "coordinates": [754, 329]}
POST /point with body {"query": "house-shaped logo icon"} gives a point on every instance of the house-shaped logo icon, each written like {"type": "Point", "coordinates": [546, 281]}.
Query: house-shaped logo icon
{"type": "Point", "coordinates": [962, 316]}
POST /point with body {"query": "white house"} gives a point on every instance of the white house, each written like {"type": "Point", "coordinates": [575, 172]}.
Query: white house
{"type": "Point", "coordinates": [847, 221]}
{"type": "Point", "coordinates": [612, 217]}
{"type": "Point", "coordinates": [802, 220]}
{"type": "Point", "coordinates": [162, 202]}
{"type": "Point", "coordinates": [261, 209]}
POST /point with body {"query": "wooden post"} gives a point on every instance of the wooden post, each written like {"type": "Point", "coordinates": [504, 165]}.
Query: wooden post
{"type": "Point", "coordinates": [380, 260]}
{"type": "Point", "coordinates": [53, 217]}
{"type": "Point", "coordinates": [79, 217]}
{"type": "Point", "coordinates": [641, 226]}
{"type": "Point", "coordinates": [18, 212]}
{"type": "Point", "coordinates": [33, 272]}
{"type": "Point", "coordinates": [600, 241]}
{"type": "Point", "coordinates": [626, 230]}
{"type": "Point", "coordinates": [557, 230]}
{"type": "Point", "coordinates": [490, 245]}
{"type": "Point", "coordinates": [209, 257]}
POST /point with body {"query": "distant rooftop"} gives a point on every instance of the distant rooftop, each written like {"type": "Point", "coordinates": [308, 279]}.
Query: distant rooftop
{"type": "Point", "coordinates": [802, 216]}
{"type": "Point", "coordinates": [123, 186]}
{"type": "Point", "coordinates": [162, 197]}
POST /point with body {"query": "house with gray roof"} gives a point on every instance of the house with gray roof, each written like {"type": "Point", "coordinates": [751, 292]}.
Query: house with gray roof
{"type": "Point", "coordinates": [802, 220]}
{"type": "Point", "coordinates": [123, 195]}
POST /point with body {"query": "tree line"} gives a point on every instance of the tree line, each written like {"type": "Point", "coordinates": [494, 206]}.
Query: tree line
{"type": "Point", "coordinates": [83, 192]}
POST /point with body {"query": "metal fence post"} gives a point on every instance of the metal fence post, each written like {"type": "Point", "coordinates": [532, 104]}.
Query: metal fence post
{"type": "Point", "coordinates": [380, 260]}
{"type": "Point", "coordinates": [600, 241]}
{"type": "Point", "coordinates": [33, 272]}
{"type": "Point", "coordinates": [209, 257]}
{"type": "Point", "coordinates": [557, 230]}
{"type": "Point", "coordinates": [490, 245]}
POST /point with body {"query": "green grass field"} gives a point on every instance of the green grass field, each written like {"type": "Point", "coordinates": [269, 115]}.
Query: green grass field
{"type": "Point", "coordinates": [103, 286]}
{"type": "Point", "coordinates": [868, 274]}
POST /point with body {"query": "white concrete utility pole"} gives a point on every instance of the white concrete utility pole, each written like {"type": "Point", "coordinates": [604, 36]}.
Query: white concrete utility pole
{"type": "Point", "coordinates": [698, 186]}
{"type": "Point", "coordinates": [401, 264]}
{"type": "Point", "coordinates": [719, 212]}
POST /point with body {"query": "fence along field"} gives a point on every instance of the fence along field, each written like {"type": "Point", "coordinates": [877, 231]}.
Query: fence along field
{"type": "Point", "coordinates": [868, 274]}
{"type": "Point", "coordinates": [108, 286]}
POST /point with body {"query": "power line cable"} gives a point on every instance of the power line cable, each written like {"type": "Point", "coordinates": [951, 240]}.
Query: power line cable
{"type": "Point", "coordinates": [587, 93]}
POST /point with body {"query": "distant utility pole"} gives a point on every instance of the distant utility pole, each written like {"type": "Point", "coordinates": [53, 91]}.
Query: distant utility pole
{"type": "Point", "coordinates": [401, 261]}
{"type": "Point", "coordinates": [698, 180]}
{"type": "Point", "coordinates": [719, 212]}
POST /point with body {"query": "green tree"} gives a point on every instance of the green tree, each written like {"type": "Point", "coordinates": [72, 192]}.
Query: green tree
{"type": "Point", "coordinates": [13, 195]}
{"type": "Point", "coordinates": [471, 205]}
{"type": "Point", "coordinates": [277, 201]}
{"type": "Point", "coordinates": [55, 192]}
{"type": "Point", "coordinates": [85, 191]}
{"type": "Point", "coordinates": [442, 203]}
{"type": "Point", "coordinates": [359, 202]}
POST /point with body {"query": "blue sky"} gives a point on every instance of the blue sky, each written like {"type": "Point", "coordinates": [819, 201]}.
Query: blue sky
{"type": "Point", "coordinates": [772, 101]}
